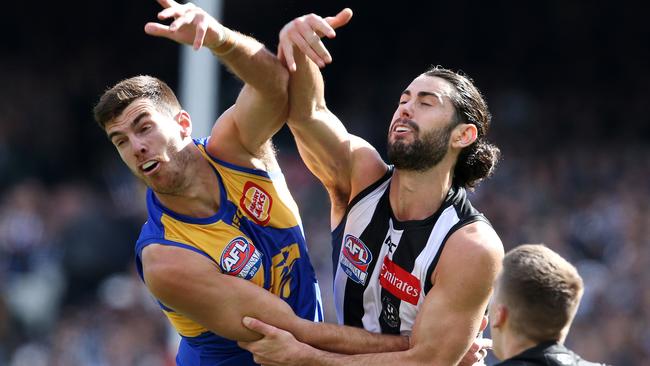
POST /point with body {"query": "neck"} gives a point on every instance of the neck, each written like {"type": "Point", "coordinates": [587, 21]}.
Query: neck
{"type": "Point", "coordinates": [514, 344]}
{"type": "Point", "coordinates": [198, 196]}
{"type": "Point", "coordinates": [417, 195]}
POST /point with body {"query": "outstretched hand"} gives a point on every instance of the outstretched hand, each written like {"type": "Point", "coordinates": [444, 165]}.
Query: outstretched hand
{"type": "Point", "coordinates": [191, 25]}
{"type": "Point", "coordinates": [305, 33]}
{"type": "Point", "coordinates": [277, 346]}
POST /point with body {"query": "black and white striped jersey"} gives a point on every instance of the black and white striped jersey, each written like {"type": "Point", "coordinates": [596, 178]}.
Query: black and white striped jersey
{"type": "Point", "coordinates": [382, 266]}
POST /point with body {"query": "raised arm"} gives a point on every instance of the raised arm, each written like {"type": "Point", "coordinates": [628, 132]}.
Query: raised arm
{"type": "Point", "coordinates": [345, 164]}
{"type": "Point", "coordinates": [261, 107]}
{"type": "Point", "coordinates": [445, 326]}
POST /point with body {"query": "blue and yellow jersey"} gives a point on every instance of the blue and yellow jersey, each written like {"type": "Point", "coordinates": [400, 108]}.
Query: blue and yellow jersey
{"type": "Point", "coordinates": [256, 235]}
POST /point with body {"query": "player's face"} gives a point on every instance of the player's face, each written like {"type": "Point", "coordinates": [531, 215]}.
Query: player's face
{"type": "Point", "coordinates": [151, 144]}
{"type": "Point", "coordinates": [419, 134]}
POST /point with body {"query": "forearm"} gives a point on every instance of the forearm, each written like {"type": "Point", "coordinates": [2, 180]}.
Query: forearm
{"type": "Point", "coordinates": [315, 357]}
{"type": "Point", "coordinates": [189, 284]}
{"type": "Point", "coordinates": [306, 91]}
{"type": "Point", "coordinates": [250, 61]}
{"type": "Point", "coordinates": [348, 340]}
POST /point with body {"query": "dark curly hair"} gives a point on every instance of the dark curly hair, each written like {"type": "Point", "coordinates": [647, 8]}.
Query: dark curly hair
{"type": "Point", "coordinates": [478, 160]}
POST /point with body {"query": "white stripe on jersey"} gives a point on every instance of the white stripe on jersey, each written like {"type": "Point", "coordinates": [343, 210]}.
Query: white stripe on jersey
{"type": "Point", "coordinates": [408, 311]}
{"type": "Point", "coordinates": [357, 219]}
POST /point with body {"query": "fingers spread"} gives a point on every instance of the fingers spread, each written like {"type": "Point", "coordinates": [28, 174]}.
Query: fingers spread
{"type": "Point", "coordinates": [167, 3]}
{"type": "Point", "coordinates": [299, 41]}
{"type": "Point", "coordinates": [341, 19]}
{"type": "Point", "coordinates": [184, 19]}
{"type": "Point", "coordinates": [321, 27]}
{"type": "Point", "coordinates": [168, 13]}
{"type": "Point", "coordinates": [314, 44]}
{"type": "Point", "coordinates": [285, 54]}
{"type": "Point", "coordinates": [201, 30]}
{"type": "Point", "coordinates": [156, 29]}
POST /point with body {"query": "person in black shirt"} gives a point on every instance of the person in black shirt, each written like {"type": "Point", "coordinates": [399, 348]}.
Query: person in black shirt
{"type": "Point", "coordinates": [535, 299]}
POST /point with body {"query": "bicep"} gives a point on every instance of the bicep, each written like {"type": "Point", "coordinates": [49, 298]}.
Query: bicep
{"type": "Point", "coordinates": [192, 285]}
{"type": "Point", "coordinates": [343, 162]}
{"type": "Point", "coordinates": [451, 314]}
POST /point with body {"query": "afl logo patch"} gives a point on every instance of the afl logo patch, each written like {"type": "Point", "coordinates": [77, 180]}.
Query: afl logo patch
{"type": "Point", "coordinates": [256, 202]}
{"type": "Point", "coordinates": [355, 259]}
{"type": "Point", "coordinates": [240, 258]}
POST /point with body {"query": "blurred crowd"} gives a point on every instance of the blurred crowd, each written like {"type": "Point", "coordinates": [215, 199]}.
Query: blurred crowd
{"type": "Point", "coordinates": [70, 295]}
{"type": "Point", "coordinates": [575, 172]}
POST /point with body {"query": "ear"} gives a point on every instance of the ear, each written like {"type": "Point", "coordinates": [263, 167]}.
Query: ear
{"type": "Point", "coordinates": [184, 120]}
{"type": "Point", "coordinates": [464, 135]}
{"type": "Point", "coordinates": [500, 316]}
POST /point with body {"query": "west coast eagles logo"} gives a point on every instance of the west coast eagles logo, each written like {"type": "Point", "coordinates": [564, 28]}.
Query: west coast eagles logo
{"type": "Point", "coordinates": [355, 259]}
{"type": "Point", "coordinates": [256, 202]}
{"type": "Point", "coordinates": [240, 258]}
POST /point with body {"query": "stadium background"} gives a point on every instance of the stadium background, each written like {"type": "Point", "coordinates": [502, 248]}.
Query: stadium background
{"type": "Point", "coordinates": [567, 83]}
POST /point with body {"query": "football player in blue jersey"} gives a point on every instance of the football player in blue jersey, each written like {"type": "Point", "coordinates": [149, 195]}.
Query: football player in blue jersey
{"type": "Point", "coordinates": [223, 238]}
{"type": "Point", "coordinates": [390, 223]}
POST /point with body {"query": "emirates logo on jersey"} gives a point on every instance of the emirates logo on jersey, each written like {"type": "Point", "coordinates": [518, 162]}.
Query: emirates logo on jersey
{"type": "Point", "coordinates": [256, 202]}
{"type": "Point", "coordinates": [399, 282]}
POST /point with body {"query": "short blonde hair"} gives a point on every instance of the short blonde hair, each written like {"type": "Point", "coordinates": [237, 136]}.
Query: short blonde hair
{"type": "Point", "coordinates": [541, 290]}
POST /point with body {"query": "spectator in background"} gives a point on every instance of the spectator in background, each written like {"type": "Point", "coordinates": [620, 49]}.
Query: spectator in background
{"type": "Point", "coordinates": [536, 297]}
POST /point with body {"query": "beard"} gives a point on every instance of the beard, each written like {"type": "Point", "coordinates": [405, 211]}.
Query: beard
{"type": "Point", "coordinates": [175, 178]}
{"type": "Point", "coordinates": [424, 152]}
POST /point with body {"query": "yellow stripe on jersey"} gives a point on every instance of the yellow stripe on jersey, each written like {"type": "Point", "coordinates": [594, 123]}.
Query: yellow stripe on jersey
{"type": "Point", "coordinates": [211, 238]}
{"type": "Point", "coordinates": [183, 325]}
{"type": "Point", "coordinates": [263, 200]}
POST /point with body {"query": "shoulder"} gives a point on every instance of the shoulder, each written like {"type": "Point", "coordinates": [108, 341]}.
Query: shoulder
{"type": "Point", "coordinates": [475, 243]}
{"type": "Point", "coordinates": [477, 250]}
{"type": "Point", "coordinates": [225, 144]}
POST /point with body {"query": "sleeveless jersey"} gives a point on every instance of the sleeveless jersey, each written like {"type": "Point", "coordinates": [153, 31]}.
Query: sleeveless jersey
{"type": "Point", "coordinates": [256, 235]}
{"type": "Point", "coordinates": [383, 266]}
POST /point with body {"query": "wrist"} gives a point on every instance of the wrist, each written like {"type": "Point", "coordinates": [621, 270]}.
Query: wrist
{"type": "Point", "coordinates": [226, 41]}
{"type": "Point", "coordinates": [306, 356]}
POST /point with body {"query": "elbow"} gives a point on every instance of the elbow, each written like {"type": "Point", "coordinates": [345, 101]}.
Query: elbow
{"type": "Point", "coordinates": [419, 355]}
{"type": "Point", "coordinates": [162, 276]}
{"type": "Point", "coordinates": [277, 85]}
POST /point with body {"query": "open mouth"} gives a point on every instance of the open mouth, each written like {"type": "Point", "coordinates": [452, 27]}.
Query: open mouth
{"type": "Point", "coordinates": [150, 166]}
{"type": "Point", "coordinates": [402, 131]}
